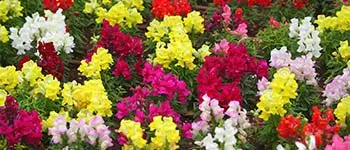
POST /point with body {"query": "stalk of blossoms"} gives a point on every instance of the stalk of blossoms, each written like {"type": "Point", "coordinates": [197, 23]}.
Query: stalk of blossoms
{"type": "Point", "coordinates": [220, 129]}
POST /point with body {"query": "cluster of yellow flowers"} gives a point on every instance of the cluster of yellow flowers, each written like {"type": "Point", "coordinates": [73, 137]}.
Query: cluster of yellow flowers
{"type": "Point", "coordinates": [31, 73]}
{"type": "Point", "coordinates": [125, 13]}
{"type": "Point", "coordinates": [166, 135]}
{"type": "Point", "coordinates": [342, 110]}
{"type": "Point", "coordinates": [101, 60]}
{"type": "Point", "coordinates": [340, 22]}
{"type": "Point", "coordinates": [8, 9]}
{"type": "Point", "coordinates": [89, 97]}
{"type": "Point", "coordinates": [173, 42]}
{"type": "Point", "coordinates": [133, 131]}
{"type": "Point", "coordinates": [49, 122]}
{"type": "Point", "coordinates": [344, 50]}
{"type": "Point", "coordinates": [282, 88]}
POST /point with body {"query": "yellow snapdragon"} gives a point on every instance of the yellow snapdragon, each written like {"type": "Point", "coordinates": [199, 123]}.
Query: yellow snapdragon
{"type": "Point", "coordinates": [133, 131]}
{"type": "Point", "coordinates": [342, 110]}
{"type": "Point", "coordinates": [125, 13]}
{"type": "Point", "coordinates": [202, 52]}
{"type": "Point", "coordinates": [101, 60]}
{"type": "Point", "coordinates": [90, 96]}
{"type": "Point", "coordinates": [344, 50]}
{"type": "Point", "coordinates": [165, 133]}
{"type": "Point", "coordinates": [49, 122]}
{"type": "Point", "coordinates": [3, 95]}
{"type": "Point", "coordinates": [31, 72]}
{"type": "Point", "coordinates": [340, 22]}
{"type": "Point", "coordinates": [282, 88]}
{"type": "Point", "coordinates": [49, 86]}
{"type": "Point", "coordinates": [10, 9]}
{"type": "Point", "coordinates": [173, 42]}
{"type": "Point", "coordinates": [4, 34]}
{"type": "Point", "coordinates": [194, 22]}
{"type": "Point", "coordinates": [9, 78]}
{"type": "Point", "coordinates": [93, 5]}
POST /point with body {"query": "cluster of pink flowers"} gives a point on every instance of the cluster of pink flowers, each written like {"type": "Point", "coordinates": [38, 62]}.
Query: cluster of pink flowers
{"type": "Point", "coordinates": [220, 80]}
{"type": "Point", "coordinates": [224, 17]}
{"type": "Point", "coordinates": [95, 132]}
{"type": "Point", "coordinates": [154, 98]}
{"type": "Point", "coordinates": [19, 125]}
{"type": "Point", "coordinates": [339, 143]}
{"type": "Point", "coordinates": [126, 49]}
{"type": "Point", "coordinates": [302, 67]}
{"type": "Point", "coordinates": [338, 88]}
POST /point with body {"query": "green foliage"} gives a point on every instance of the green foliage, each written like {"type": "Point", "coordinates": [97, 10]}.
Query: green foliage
{"type": "Point", "coordinates": [267, 134]}
{"type": "Point", "coordinates": [248, 90]}
{"type": "Point", "coordinates": [328, 65]}
{"type": "Point", "coordinates": [271, 38]}
{"type": "Point", "coordinates": [308, 96]}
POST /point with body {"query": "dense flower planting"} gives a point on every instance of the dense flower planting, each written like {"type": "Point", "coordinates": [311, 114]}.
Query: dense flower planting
{"type": "Point", "coordinates": [175, 74]}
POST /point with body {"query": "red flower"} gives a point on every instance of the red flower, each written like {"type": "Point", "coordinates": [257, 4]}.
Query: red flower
{"type": "Point", "coordinates": [122, 68]}
{"type": "Point", "coordinates": [161, 8]}
{"type": "Point", "coordinates": [320, 126]}
{"type": "Point", "coordinates": [299, 4]}
{"type": "Point", "coordinates": [22, 61]}
{"type": "Point", "coordinates": [289, 127]}
{"type": "Point", "coordinates": [50, 61]}
{"type": "Point", "coordinates": [274, 23]}
{"type": "Point", "coordinates": [54, 5]}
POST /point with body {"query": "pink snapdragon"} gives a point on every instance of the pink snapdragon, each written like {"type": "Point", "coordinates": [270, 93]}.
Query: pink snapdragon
{"type": "Point", "coordinates": [280, 58]}
{"type": "Point", "coordinates": [242, 28]}
{"type": "Point", "coordinates": [339, 143]}
{"type": "Point", "coordinates": [303, 68]}
{"type": "Point", "coordinates": [92, 132]}
{"type": "Point", "coordinates": [222, 47]}
{"type": "Point", "coordinates": [227, 14]}
{"type": "Point", "coordinates": [338, 88]}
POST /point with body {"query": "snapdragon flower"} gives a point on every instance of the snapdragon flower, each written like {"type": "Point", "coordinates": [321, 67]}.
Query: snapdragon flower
{"type": "Point", "coordinates": [51, 28]}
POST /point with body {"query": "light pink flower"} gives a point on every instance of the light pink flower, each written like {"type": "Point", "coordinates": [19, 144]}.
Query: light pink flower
{"type": "Point", "coordinates": [263, 84]}
{"type": "Point", "coordinates": [227, 14]}
{"type": "Point", "coordinates": [242, 29]}
{"type": "Point", "coordinates": [280, 58]}
{"type": "Point", "coordinates": [222, 47]}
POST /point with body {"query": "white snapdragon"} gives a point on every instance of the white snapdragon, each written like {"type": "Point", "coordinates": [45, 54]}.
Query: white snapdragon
{"type": "Point", "coordinates": [227, 130]}
{"type": "Point", "coordinates": [307, 35]}
{"type": "Point", "coordinates": [51, 28]}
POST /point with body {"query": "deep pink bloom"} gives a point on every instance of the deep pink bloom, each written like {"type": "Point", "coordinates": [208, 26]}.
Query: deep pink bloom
{"type": "Point", "coordinates": [227, 13]}
{"type": "Point", "coordinates": [186, 130]}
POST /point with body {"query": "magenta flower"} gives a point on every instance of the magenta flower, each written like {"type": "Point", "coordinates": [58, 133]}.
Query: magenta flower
{"type": "Point", "coordinates": [339, 143]}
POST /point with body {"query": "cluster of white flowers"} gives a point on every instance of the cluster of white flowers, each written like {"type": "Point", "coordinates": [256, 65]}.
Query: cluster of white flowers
{"type": "Point", "coordinates": [224, 134]}
{"type": "Point", "coordinates": [310, 144]}
{"type": "Point", "coordinates": [50, 28]}
{"type": "Point", "coordinates": [307, 35]}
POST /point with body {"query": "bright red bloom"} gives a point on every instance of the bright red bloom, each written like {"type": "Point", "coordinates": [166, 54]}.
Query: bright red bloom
{"type": "Point", "coordinates": [50, 61]}
{"type": "Point", "coordinates": [54, 5]}
{"type": "Point", "coordinates": [320, 126]}
{"type": "Point", "coordinates": [299, 4]}
{"type": "Point", "coordinates": [263, 3]}
{"type": "Point", "coordinates": [22, 61]}
{"type": "Point", "coordinates": [273, 22]}
{"type": "Point", "coordinates": [238, 14]}
{"type": "Point", "coordinates": [289, 127]}
{"type": "Point", "coordinates": [161, 8]}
